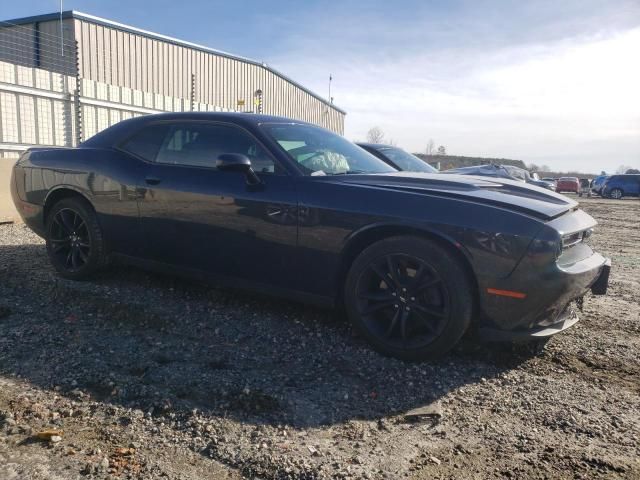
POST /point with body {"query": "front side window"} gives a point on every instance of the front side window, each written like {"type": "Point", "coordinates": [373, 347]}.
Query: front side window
{"type": "Point", "coordinates": [200, 145]}
{"type": "Point", "coordinates": [320, 152]}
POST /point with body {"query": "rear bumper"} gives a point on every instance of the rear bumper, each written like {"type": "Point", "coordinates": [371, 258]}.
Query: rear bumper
{"type": "Point", "coordinates": [32, 214]}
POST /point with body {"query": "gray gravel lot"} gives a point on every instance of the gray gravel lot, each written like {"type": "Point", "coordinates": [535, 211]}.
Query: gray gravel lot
{"type": "Point", "coordinates": [151, 376]}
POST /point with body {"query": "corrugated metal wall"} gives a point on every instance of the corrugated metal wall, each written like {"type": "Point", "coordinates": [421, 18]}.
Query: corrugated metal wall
{"type": "Point", "coordinates": [39, 45]}
{"type": "Point", "coordinates": [135, 61]}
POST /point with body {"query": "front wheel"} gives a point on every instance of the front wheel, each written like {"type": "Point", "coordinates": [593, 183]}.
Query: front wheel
{"type": "Point", "coordinates": [409, 297]}
{"type": "Point", "coordinates": [616, 193]}
{"type": "Point", "coordinates": [74, 239]}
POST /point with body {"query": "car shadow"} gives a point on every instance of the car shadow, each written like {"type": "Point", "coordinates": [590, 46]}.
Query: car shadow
{"type": "Point", "coordinates": [168, 345]}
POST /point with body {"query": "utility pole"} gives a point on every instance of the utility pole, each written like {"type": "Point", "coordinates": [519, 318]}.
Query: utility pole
{"type": "Point", "coordinates": [61, 32]}
{"type": "Point", "coordinates": [330, 98]}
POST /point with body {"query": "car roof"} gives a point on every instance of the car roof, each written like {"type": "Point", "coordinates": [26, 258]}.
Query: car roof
{"type": "Point", "coordinates": [120, 129]}
{"type": "Point", "coordinates": [222, 116]}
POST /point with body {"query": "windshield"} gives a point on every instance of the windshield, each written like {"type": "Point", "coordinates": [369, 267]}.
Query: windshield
{"type": "Point", "coordinates": [406, 161]}
{"type": "Point", "coordinates": [319, 152]}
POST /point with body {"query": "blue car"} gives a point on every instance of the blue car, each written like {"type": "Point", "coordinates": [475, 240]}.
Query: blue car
{"type": "Point", "coordinates": [618, 186]}
{"type": "Point", "coordinates": [598, 183]}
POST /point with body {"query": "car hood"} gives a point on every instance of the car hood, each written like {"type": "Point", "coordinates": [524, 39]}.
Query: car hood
{"type": "Point", "coordinates": [501, 192]}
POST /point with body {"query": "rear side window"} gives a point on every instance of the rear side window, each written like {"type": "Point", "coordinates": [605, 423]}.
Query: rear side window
{"type": "Point", "coordinates": [147, 142]}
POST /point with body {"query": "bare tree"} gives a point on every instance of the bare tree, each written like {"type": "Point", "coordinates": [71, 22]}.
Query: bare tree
{"type": "Point", "coordinates": [431, 147]}
{"type": "Point", "coordinates": [623, 169]}
{"type": "Point", "coordinates": [392, 142]}
{"type": "Point", "coordinates": [442, 150]}
{"type": "Point", "coordinates": [533, 167]}
{"type": "Point", "coordinates": [375, 135]}
{"type": "Point", "coordinates": [545, 168]}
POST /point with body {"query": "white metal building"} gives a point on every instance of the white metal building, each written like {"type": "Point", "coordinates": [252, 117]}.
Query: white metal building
{"type": "Point", "coordinates": [64, 77]}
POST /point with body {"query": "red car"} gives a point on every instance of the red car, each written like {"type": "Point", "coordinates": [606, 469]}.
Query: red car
{"type": "Point", "coordinates": [568, 184]}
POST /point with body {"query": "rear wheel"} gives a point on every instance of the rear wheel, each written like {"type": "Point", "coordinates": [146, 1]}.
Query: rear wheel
{"type": "Point", "coordinates": [616, 193]}
{"type": "Point", "coordinates": [74, 239]}
{"type": "Point", "coordinates": [409, 297]}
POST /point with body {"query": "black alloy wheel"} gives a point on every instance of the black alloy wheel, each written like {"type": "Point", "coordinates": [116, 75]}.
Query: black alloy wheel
{"type": "Point", "coordinates": [74, 239]}
{"type": "Point", "coordinates": [410, 297]}
{"type": "Point", "coordinates": [70, 240]}
{"type": "Point", "coordinates": [403, 300]}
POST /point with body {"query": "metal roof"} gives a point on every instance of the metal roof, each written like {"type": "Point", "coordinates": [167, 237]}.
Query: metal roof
{"type": "Point", "coordinates": [128, 28]}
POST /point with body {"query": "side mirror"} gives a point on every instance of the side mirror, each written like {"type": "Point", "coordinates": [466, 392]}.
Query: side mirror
{"type": "Point", "coordinates": [236, 162]}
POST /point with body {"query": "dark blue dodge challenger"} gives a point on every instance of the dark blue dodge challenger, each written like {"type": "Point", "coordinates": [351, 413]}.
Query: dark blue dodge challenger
{"type": "Point", "coordinates": [291, 209]}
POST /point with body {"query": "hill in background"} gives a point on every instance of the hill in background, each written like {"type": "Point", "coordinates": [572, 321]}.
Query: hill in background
{"type": "Point", "coordinates": [446, 162]}
{"type": "Point", "coordinates": [455, 161]}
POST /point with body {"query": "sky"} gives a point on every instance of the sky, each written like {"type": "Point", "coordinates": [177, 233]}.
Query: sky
{"type": "Point", "coordinates": [553, 83]}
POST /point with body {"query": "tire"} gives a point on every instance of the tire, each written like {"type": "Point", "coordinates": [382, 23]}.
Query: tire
{"type": "Point", "coordinates": [417, 313]}
{"type": "Point", "coordinates": [616, 193]}
{"type": "Point", "coordinates": [75, 243]}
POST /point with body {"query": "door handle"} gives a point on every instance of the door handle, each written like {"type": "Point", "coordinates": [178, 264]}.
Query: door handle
{"type": "Point", "coordinates": [152, 180]}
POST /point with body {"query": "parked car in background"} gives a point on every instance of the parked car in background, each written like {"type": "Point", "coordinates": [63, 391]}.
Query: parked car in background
{"type": "Point", "coordinates": [568, 184]}
{"type": "Point", "coordinates": [398, 158]}
{"type": "Point", "coordinates": [501, 171]}
{"type": "Point", "coordinates": [551, 180]}
{"type": "Point", "coordinates": [291, 209]}
{"type": "Point", "coordinates": [585, 187]}
{"type": "Point", "coordinates": [597, 183]}
{"type": "Point", "coordinates": [534, 179]}
{"type": "Point", "coordinates": [618, 186]}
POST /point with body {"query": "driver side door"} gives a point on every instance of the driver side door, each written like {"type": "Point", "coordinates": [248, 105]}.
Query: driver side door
{"type": "Point", "coordinates": [203, 219]}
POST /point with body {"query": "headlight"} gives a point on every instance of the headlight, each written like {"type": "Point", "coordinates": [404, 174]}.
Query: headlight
{"type": "Point", "coordinates": [575, 238]}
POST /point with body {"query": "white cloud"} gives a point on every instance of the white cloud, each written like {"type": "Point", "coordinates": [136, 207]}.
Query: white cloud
{"type": "Point", "coordinates": [569, 103]}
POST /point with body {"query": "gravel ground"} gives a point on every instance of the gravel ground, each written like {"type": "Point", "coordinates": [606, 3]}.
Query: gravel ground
{"type": "Point", "coordinates": [150, 376]}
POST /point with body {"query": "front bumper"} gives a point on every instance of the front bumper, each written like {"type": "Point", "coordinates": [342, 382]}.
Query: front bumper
{"type": "Point", "coordinates": [567, 319]}
{"type": "Point", "coordinates": [601, 285]}
{"type": "Point", "coordinates": [545, 285]}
